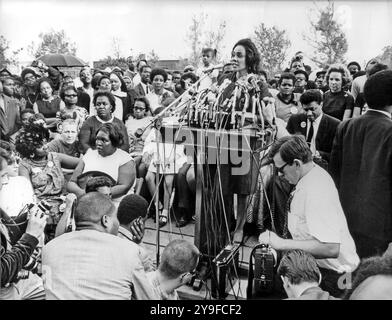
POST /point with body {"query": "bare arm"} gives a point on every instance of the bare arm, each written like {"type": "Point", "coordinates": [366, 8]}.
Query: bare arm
{"type": "Point", "coordinates": [84, 136]}
{"type": "Point", "coordinates": [357, 112]}
{"type": "Point", "coordinates": [347, 114]}
{"type": "Point", "coordinates": [24, 172]}
{"type": "Point", "coordinates": [72, 185]}
{"type": "Point", "coordinates": [67, 161]}
{"type": "Point", "coordinates": [126, 178]}
{"type": "Point", "coordinates": [320, 250]}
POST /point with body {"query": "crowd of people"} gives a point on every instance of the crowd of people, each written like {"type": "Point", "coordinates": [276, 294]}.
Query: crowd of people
{"type": "Point", "coordinates": [89, 158]}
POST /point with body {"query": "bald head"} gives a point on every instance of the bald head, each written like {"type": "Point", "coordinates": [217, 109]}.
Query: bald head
{"type": "Point", "coordinates": [95, 210]}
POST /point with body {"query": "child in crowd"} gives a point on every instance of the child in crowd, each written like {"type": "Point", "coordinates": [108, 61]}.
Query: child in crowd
{"type": "Point", "coordinates": [171, 158]}
{"type": "Point", "coordinates": [138, 128]}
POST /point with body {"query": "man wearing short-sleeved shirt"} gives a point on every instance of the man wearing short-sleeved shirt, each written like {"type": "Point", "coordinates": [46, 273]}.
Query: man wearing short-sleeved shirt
{"type": "Point", "coordinates": [316, 220]}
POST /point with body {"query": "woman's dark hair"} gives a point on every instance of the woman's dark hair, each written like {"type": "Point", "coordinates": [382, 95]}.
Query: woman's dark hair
{"type": "Point", "coordinates": [185, 76]}
{"type": "Point", "coordinates": [31, 138]}
{"type": "Point", "coordinates": [346, 77]}
{"type": "Point", "coordinates": [123, 86]}
{"type": "Point", "coordinates": [62, 92]}
{"type": "Point", "coordinates": [42, 80]}
{"type": "Point", "coordinates": [110, 97]}
{"type": "Point", "coordinates": [27, 71]}
{"type": "Point", "coordinates": [252, 56]}
{"type": "Point", "coordinates": [158, 71]}
{"type": "Point", "coordinates": [104, 76]}
{"type": "Point", "coordinates": [115, 135]}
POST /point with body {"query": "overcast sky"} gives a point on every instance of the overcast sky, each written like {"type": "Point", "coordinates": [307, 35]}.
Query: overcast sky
{"type": "Point", "coordinates": [163, 25]}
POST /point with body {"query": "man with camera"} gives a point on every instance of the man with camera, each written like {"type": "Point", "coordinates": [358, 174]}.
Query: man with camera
{"type": "Point", "coordinates": [16, 253]}
{"type": "Point", "coordinates": [316, 220]}
{"type": "Point", "coordinates": [93, 263]}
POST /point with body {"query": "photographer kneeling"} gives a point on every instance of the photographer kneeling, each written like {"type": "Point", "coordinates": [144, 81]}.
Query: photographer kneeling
{"type": "Point", "coordinates": [315, 218]}
{"type": "Point", "coordinates": [16, 251]}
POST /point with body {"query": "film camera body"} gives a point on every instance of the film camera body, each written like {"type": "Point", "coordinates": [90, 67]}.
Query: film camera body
{"type": "Point", "coordinates": [32, 265]}
{"type": "Point", "coordinates": [261, 278]}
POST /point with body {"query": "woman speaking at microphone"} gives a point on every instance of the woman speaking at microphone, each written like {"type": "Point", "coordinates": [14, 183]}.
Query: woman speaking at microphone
{"type": "Point", "coordinates": [245, 60]}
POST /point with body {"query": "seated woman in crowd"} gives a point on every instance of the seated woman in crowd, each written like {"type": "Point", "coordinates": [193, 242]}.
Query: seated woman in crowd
{"type": "Point", "coordinates": [119, 90]}
{"type": "Point", "coordinates": [47, 103]}
{"type": "Point", "coordinates": [71, 110]}
{"type": "Point", "coordinates": [337, 102]}
{"type": "Point", "coordinates": [17, 190]}
{"type": "Point", "coordinates": [158, 95]}
{"type": "Point", "coordinates": [104, 84]}
{"type": "Point", "coordinates": [171, 158]}
{"type": "Point", "coordinates": [138, 129]}
{"type": "Point", "coordinates": [43, 169]}
{"type": "Point", "coordinates": [109, 159]}
{"type": "Point", "coordinates": [104, 103]}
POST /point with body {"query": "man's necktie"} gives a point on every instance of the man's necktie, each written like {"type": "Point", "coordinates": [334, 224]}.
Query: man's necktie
{"type": "Point", "coordinates": [310, 133]}
{"type": "Point", "coordinates": [285, 231]}
{"type": "Point", "coordinates": [147, 89]}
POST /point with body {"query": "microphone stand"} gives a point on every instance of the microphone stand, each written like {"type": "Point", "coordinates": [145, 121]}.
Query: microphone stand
{"type": "Point", "coordinates": [161, 114]}
{"type": "Point", "coordinates": [157, 125]}
{"type": "Point", "coordinates": [157, 122]}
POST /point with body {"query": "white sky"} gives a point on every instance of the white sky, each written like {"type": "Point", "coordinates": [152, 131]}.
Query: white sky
{"type": "Point", "coordinates": [162, 25]}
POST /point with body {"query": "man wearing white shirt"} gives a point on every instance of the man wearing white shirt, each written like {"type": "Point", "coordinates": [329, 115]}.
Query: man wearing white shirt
{"type": "Point", "coordinates": [316, 220]}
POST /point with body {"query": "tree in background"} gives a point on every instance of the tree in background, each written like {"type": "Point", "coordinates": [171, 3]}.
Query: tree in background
{"type": "Point", "coordinates": [53, 42]}
{"type": "Point", "coordinates": [199, 36]}
{"type": "Point", "coordinates": [272, 44]}
{"type": "Point", "coordinates": [386, 56]}
{"type": "Point", "coordinates": [327, 37]}
{"type": "Point", "coordinates": [152, 58]}
{"type": "Point", "coordinates": [7, 59]}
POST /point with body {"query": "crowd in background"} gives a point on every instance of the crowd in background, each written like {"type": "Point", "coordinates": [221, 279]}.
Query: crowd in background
{"type": "Point", "coordinates": [88, 143]}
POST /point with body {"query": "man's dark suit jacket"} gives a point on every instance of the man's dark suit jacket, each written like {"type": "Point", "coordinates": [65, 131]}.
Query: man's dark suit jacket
{"type": "Point", "coordinates": [139, 90]}
{"type": "Point", "coordinates": [361, 165]}
{"type": "Point", "coordinates": [325, 133]}
{"type": "Point", "coordinates": [9, 118]}
{"type": "Point", "coordinates": [83, 99]}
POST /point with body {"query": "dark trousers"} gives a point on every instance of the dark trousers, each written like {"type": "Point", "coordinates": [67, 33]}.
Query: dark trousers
{"type": "Point", "coordinates": [184, 193]}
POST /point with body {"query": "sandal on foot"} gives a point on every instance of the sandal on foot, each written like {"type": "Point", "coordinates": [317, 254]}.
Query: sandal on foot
{"type": "Point", "coordinates": [162, 220]}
